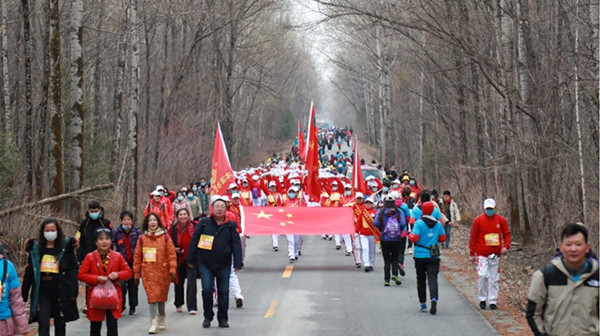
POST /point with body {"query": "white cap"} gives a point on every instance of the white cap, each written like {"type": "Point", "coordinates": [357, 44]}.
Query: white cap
{"type": "Point", "coordinates": [155, 193]}
{"type": "Point", "coordinates": [232, 185]}
{"type": "Point", "coordinates": [255, 177]}
{"type": "Point", "coordinates": [225, 198]}
{"type": "Point", "coordinates": [489, 203]}
{"type": "Point", "coordinates": [370, 199]}
{"type": "Point", "coordinates": [293, 188]}
{"type": "Point", "coordinates": [359, 195]}
{"type": "Point", "coordinates": [347, 186]}
{"type": "Point", "coordinates": [370, 177]}
{"type": "Point", "coordinates": [215, 198]}
{"type": "Point", "coordinates": [235, 195]}
{"type": "Point", "coordinates": [395, 195]}
{"type": "Point", "coordinates": [390, 197]}
{"type": "Point", "coordinates": [272, 184]}
{"type": "Point", "coordinates": [396, 181]}
{"type": "Point", "coordinates": [160, 187]}
{"type": "Point", "coordinates": [334, 182]}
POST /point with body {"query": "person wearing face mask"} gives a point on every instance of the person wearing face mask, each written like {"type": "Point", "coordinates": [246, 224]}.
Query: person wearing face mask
{"type": "Point", "coordinates": [94, 220]}
{"type": "Point", "coordinates": [490, 237]}
{"type": "Point", "coordinates": [125, 238]}
{"type": "Point", "coordinates": [415, 187]}
{"type": "Point", "coordinates": [51, 279]}
{"type": "Point", "coordinates": [333, 198]}
{"type": "Point", "coordinates": [203, 194]}
{"type": "Point", "coordinates": [181, 202]}
{"type": "Point", "coordinates": [348, 200]}
{"type": "Point", "coordinates": [195, 204]}
{"type": "Point", "coordinates": [294, 241]}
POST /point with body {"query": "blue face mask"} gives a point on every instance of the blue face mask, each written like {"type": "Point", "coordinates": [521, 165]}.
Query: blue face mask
{"type": "Point", "coordinates": [94, 215]}
{"type": "Point", "coordinates": [292, 195]}
{"type": "Point", "coordinates": [386, 189]}
{"type": "Point", "coordinates": [490, 212]}
{"type": "Point", "coordinates": [190, 196]}
{"type": "Point", "coordinates": [195, 189]}
{"type": "Point", "coordinates": [412, 183]}
{"type": "Point", "coordinates": [180, 198]}
{"type": "Point", "coordinates": [202, 184]}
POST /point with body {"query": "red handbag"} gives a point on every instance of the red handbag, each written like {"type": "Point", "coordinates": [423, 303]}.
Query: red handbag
{"type": "Point", "coordinates": [104, 296]}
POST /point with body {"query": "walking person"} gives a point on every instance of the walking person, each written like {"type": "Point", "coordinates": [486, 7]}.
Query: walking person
{"type": "Point", "coordinates": [181, 234]}
{"type": "Point", "coordinates": [450, 209]}
{"type": "Point", "coordinates": [98, 268]}
{"type": "Point", "coordinates": [50, 279]}
{"type": "Point", "coordinates": [490, 238]}
{"type": "Point", "coordinates": [368, 234]}
{"type": "Point", "coordinates": [155, 262]}
{"type": "Point", "coordinates": [94, 220]}
{"type": "Point", "coordinates": [13, 318]}
{"type": "Point", "coordinates": [426, 235]}
{"type": "Point", "coordinates": [213, 245]}
{"type": "Point", "coordinates": [563, 296]}
{"type": "Point", "coordinates": [391, 222]}
{"type": "Point", "coordinates": [125, 238]}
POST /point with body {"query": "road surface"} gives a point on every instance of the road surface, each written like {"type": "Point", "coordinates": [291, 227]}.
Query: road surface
{"type": "Point", "coordinates": [323, 293]}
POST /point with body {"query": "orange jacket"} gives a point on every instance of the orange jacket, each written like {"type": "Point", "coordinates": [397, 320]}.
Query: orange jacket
{"type": "Point", "coordinates": [156, 275]}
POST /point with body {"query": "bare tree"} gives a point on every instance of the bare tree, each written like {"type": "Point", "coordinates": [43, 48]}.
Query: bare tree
{"type": "Point", "coordinates": [55, 160]}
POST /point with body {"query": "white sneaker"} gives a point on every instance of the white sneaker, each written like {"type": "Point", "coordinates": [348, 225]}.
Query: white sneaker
{"type": "Point", "coordinates": [179, 309]}
{"type": "Point", "coordinates": [410, 251]}
{"type": "Point", "coordinates": [153, 326]}
{"type": "Point", "coordinates": [193, 312]}
{"type": "Point", "coordinates": [161, 323]}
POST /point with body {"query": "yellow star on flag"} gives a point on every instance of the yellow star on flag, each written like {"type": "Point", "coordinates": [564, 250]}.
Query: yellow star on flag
{"type": "Point", "coordinates": [280, 210]}
{"type": "Point", "coordinates": [289, 215]}
{"type": "Point", "coordinates": [262, 214]}
{"type": "Point", "coordinates": [282, 224]}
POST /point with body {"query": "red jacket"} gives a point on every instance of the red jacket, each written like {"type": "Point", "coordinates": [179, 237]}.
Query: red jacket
{"type": "Point", "coordinates": [164, 210]}
{"type": "Point", "coordinates": [89, 272]}
{"type": "Point", "coordinates": [182, 239]}
{"type": "Point", "coordinates": [488, 235]}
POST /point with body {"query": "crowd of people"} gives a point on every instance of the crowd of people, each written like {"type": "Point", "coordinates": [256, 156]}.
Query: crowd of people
{"type": "Point", "coordinates": [186, 234]}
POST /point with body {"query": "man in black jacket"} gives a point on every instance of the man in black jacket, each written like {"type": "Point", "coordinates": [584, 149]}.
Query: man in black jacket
{"type": "Point", "coordinates": [94, 220]}
{"type": "Point", "coordinates": [212, 247]}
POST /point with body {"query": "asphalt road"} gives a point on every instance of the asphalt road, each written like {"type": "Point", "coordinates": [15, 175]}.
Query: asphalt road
{"type": "Point", "coordinates": [325, 294]}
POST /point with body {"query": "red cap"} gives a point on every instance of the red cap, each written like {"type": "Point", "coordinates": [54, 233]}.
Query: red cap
{"type": "Point", "coordinates": [427, 208]}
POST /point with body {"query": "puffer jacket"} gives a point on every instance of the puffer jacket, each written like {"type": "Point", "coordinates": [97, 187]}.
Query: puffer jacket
{"type": "Point", "coordinates": [14, 321]}
{"type": "Point", "coordinates": [156, 275]}
{"type": "Point", "coordinates": [163, 209]}
{"type": "Point", "coordinates": [226, 244]}
{"type": "Point", "coordinates": [559, 306]}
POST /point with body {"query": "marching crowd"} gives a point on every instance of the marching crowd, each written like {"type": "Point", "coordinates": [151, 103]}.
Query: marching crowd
{"type": "Point", "coordinates": [187, 234]}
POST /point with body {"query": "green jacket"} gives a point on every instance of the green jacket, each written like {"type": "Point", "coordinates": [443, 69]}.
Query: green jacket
{"type": "Point", "coordinates": [559, 306]}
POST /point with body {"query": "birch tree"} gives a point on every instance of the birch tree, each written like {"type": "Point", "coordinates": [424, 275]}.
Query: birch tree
{"type": "Point", "coordinates": [5, 78]}
{"type": "Point", "coordinates": [55, 160]}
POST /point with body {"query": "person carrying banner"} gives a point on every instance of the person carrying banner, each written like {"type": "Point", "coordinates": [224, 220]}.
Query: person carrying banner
{"type": "Point", "coordinates": [294, 241]}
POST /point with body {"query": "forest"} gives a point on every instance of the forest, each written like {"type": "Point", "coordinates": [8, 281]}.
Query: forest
{"type": "Point", "coordinates": [488, 98]}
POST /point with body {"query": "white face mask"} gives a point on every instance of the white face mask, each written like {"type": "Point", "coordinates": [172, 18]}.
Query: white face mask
{"type": "Point", "coordinates": [50, 235]}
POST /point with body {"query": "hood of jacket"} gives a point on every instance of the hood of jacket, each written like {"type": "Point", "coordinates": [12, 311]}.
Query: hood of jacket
{"type": "Point", "coordinates": [429, 220]}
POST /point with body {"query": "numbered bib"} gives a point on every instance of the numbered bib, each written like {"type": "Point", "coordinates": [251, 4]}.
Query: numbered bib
{"type": "Point", "coordinates": [206, 242]}
{"type": "Point", "coordinates": [492, 239]}
{"type": "Point", "coordinates": [49, 264]}
{"type": "Point", "coordinates": [149, 254]}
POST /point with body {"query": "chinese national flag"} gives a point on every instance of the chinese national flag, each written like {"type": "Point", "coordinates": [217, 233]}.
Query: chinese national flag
{"type": "Point", "coordinates": [311, 184]}
{"type": "Point", "coordinates": [358, 182]}
{"type": "Point", "coordinates": [301, 144]}
{"type": "Point", "coordinates": [296, 220]}
{"type": "Point", "coordinates": [221, 174]}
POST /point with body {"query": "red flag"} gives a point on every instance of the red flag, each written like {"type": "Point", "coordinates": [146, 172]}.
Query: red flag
{"type": "Point", "coordinates": [296, 220]}
{"type": "Point", "coordinates": [221, 174]}
{"type": "Point", "coordinates": [301, 144]}
{"type": "Point", "coordinates": [358, 182]}
{"type": "Point", "coordinates": [311, 184]}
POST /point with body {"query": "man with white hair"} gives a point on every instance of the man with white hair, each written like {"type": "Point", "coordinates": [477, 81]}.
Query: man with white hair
{"type": "Point", "coordinates": [490, 237]}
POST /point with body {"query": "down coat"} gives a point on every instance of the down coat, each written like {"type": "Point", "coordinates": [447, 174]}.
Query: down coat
{"type": "Point", "coordinates": [156, 275]}
{"type": "Point", "coordinates": [89, 272]}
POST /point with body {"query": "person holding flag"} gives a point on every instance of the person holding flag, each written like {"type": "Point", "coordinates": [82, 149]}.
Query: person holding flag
{"type": "Point", "coordinates": [368, 234]}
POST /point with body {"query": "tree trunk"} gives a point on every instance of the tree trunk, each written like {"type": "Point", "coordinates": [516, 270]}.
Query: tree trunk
{"type": "Point", "coordinates": [577, 119]}
{"type": "Point", "coordinates": [164, 92]}
{"type": "Point", "coordinates": [118, 106]}
{"type": "Point", "coordinates": [28, 161]}
{"type": "Point", "coordinates": [75, 171]}
{"type": "Point", "coordinates": [5, 79]}
{"type": "Point", "coordinates": [55, 162]}
{"type": "Point", "coordinates": [134, 105]}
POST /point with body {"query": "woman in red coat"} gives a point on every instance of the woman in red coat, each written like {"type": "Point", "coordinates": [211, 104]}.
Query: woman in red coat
{"type": "Point", "coordinates": [98, 267]}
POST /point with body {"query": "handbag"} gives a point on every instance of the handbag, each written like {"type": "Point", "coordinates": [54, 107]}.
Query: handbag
{"type": "Point", "coordinates": [434, 250]}
{"type": "Point", "coordinates": [104, 296]}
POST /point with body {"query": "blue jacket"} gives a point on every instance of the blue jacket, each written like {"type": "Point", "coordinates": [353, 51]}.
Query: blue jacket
{"type": "Point", "coordinates": [381, 219]}
{"type": "Point", "coordinates": [430, 231]}
{"type": "Point", "coordinates": [416, 213]}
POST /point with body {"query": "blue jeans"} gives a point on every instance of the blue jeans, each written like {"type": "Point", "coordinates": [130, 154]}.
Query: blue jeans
{"type": "Point", "coordinates": [208, 277]}
{"type": "Point", "coordinates": [447, 228]}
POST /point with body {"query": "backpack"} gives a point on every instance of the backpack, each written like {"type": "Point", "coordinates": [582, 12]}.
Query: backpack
{"type": "Point", "coordinates": [392, 227]}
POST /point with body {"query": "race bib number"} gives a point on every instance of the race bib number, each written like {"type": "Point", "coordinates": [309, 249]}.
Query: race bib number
{"type": "Point", "coordinates": [245, 194]}
{"type": "Point", "coordinates": [206, 242]}
{"type": "Point", "coordinates": [49, 264]}
{"type": "Point", "coordinates": [492, 239]}
{"type": "Point", "coordinates": [149, 254]}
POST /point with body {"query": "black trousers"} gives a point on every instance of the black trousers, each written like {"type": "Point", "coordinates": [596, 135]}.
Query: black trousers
{"type": "Point", "coordinates": [111, 326]}
{"type": "Point", "coordinates": [390, 251]}
{"type": "Point", "coordinates": [191, 288]}
{"type": "Point", "coordinates": [402, 249]}
{"type": "Point", "coordinates": [427, 271]}
{"type": "Point", "coordinates": [129, 287]}
{"type": "Point", "coordinates": [49, 308]}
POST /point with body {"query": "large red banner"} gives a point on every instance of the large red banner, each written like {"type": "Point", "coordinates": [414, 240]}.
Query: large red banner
{"type": "Point", "coordinates": [221, 174]}
{"type": "Point", "coordinates": [296, 220]}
